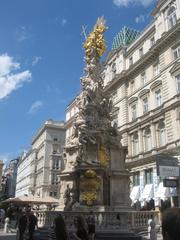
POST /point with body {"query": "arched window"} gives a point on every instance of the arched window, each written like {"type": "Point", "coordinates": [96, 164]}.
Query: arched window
{"type": "Point", "coordinates": [135, 143]}
{"type": "Point", "coordinates": [147, 139]}
{"type": "Point", "coordinates": [161, 133]}
{"type": "Point", "coordinates": [171, 17]}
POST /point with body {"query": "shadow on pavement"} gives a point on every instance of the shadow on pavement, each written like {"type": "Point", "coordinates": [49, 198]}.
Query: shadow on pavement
{"type": "Point", "coordinates": [8, 237]}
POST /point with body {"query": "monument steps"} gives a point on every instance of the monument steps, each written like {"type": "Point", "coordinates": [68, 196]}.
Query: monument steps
{"type": "Point", "coordinates": [42, 234]}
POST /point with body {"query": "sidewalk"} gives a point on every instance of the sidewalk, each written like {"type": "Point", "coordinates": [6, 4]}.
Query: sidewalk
{"type": "Point", "coordinates": [7, 236]}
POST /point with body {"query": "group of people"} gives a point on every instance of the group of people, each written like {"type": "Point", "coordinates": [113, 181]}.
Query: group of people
{"type": "Point", "coordinates": [26, 224]}
{"type": "Point", "coordinates": [85, 228]}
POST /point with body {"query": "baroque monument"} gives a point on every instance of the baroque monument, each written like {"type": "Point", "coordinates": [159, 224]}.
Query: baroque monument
{"type": "Point", "coordinates": [94, 174]}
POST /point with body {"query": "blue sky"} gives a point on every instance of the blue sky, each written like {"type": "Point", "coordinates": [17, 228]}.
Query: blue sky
{"type": "Point", "coordinates": [41, 58]}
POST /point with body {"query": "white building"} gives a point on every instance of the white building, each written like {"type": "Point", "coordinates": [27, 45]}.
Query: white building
{"type": "Point", "coordinates": [48, 144]}
{"type": "Point", "coordinates": [143, 79]}
{"type": "Point", "coordinates": [24, 174]}
{"type": "Point", "coordinates": [38, 171]}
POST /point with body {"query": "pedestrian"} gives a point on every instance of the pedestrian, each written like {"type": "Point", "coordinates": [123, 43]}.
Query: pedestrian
{"type": "Point", "coordinates": [171, 224]}
{"type": "Point", "coordinates": [22, 225]}
{"type": "Point", "coordinates": [7, 228]}
{"type": "Point", "coordinates": [91, 225]}
{"type": "Point", "coordinates": [58, 230]}
{"type": "Point", "coordinates": [2, 216]}
{"type": "Point", "coordinates": [152, 234]}
{"type": "Point", "coordinates": [81, 233]}
{"type": "Point", "coordinates": [33, 221]}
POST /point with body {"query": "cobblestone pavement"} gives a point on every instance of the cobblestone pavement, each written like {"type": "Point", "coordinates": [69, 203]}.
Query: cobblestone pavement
{"type": "Point", "coordinates": [7, 236]}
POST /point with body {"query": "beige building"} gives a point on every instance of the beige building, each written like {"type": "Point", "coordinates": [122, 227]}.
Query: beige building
{"type": "Point", "coordinates": [143, 79]}
{"type": "Point", "coordinates": [142, 76]}
{"type": "Point", "coordinates": [44, 162]}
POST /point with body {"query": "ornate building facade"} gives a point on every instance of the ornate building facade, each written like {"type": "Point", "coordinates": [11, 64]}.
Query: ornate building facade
{"type": "Point", "coordinates": [39, 169]}
{"type": "Point", "coordinates": [143, 79]}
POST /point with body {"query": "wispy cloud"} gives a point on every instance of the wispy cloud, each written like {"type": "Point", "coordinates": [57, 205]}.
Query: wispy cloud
{"type": "Point", "coordinates": [35, 60]}
{"type": "Point", "coordinates": [22, 33]}
{"type": "Point", "coordinates": [63, 22]}
{"type": "Point", "coordinates": [35, 107]}
{"type": "Point", "coordinates": [9, 80]}
{"type": "Point", "coordinates": [140, 18]}
{"type": "Point", "coordinates": [127, 3]}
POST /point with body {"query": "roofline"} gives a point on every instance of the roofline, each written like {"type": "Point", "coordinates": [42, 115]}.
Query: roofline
{"type": "Point", "coordinates": [48, 124]}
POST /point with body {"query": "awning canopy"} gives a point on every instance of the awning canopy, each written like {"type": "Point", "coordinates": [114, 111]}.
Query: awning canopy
{"type": "Point", "coordinates": [162, 192]}
{"type": "Point", "coordinates": [165, 192]}
{"type": "Point", "coordinates": [135, 193]}
{"type": "Point", "coordinates": [33, 200]}
{"type": "Point", "coordinates": [147, 192]}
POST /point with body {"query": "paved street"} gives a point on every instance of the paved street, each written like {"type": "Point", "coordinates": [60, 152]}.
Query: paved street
{"type": "Point", "coordinates": [7, 236]}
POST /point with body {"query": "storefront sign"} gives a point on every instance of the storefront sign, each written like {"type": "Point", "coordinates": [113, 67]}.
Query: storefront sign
{"type": "Point", "coordinates": [170, 182]}
{"type": "Point", "coordinates": [167, 166]}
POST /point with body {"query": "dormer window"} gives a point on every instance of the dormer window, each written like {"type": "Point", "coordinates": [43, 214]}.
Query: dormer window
{"type": "Point", "coordinates": [130, 61]}
{"type": "Point", "coordinates": [132, 86]}
{"type": "Point", "coordinates": [143, 78]}
{"type": "Point", "coordinates": [141, 52]}
{"type": "Point", "coordinates": [156, 68]}
{"type": "Point", "coordinates": [178, 83]}
{"type": "Point", "coordinates": [152, 41]}
{"type": "Point", "coordinates": [171, 17]}
{"type": "Point", "coordinates": [114, 68]}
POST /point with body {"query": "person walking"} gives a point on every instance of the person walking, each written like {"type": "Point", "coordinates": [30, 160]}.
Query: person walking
{"type": "Point", "coordinates": [33, 221]}
{"type": "Point", "coordinates": [22, 225]}
{"type": "Point", "coordinates": [58, 230]}
{"type": "Point", "coordinates": [81, 233]}
{"type": "Point", "coordinates": [91, 225]}
{"type": "Point", "coordinates": [171, 224]}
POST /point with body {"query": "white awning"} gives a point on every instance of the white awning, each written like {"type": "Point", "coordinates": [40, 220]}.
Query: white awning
{"type": "Point", "coordinates": [162, 192]}
{"type": "Point", "coordinates": [147, 192]}
{"type": "Point", "coordinates": [135, 193]}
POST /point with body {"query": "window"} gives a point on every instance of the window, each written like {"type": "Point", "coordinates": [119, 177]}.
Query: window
{"type": "Point", "coordinates": [135, 144]}
{"type": "Point", "coordinates": [161, 133]}
{"type": "Point", "coordinates": [147, 139]}
{"type": "Point", "coordinates": [136, 179]}
{"type": "Point", "coordinates": [143, 78]}
{"type": "Point", "coordinates": [134, 112]}
{"type": "Point", "coordinates": [171, 17]}
{"type": "Point", "coordinates": [145, 104]}
{"type": "Point", "coordinates": [114, 96]}
{"type": "Point", "coordinates": [55, 148]}
{"type": "Point", "coordinates": [158, 98]}
{"type": "Point", "coordinates": [50, 194]}
{"type": "Point", "coordinates": [178, 83]}
{"type": "Point", "coordinates": [152, 41]}
{"type": "Point", "coordinates": [176, 52]}
{"type": "Point", "coordinates": [53, 181]}
{"type": "Point", "coordinates": [141, 52]}
{"type": "Point", "coordinates": [57, 163]}
{"type": "Point", "coordinates": [115, 119]}
{"type": "Point", "coordinates": [130, 61]}
{"type": "Point", "coordinates": [149, 176]}
{"type": "Point", "coordinates": [132, 86]}
{"type": "Point", "coordinates": [55, 139]}
{"type": "Point", "coordinates": [156, 68]}
{"type": "Point", "coordinates": [114, 68]}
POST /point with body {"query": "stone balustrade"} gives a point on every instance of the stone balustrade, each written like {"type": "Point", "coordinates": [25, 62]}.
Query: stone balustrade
{"type": "Point", "coordinates": [120, 221]}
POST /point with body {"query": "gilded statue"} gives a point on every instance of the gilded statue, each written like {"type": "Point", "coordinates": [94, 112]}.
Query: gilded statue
{"type": "Point", "coordinates": [95, 41]}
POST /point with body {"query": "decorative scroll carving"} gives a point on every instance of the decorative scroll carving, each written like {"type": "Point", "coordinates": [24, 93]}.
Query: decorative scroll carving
{"type": "Point", "coordinates": [90, 184]}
